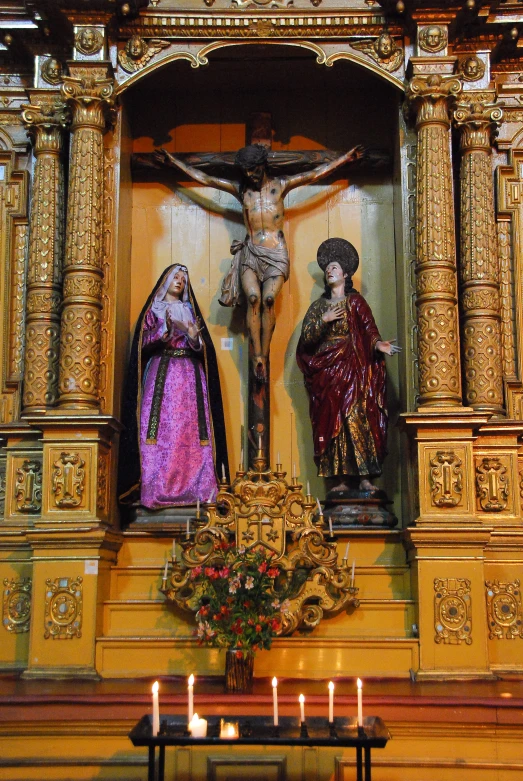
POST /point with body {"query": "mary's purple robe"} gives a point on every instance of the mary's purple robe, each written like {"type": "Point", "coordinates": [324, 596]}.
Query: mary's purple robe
{"type": "Point", "coordinates": [177, 462]}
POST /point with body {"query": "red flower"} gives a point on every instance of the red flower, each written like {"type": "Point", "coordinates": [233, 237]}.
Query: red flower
{"type": "Point", "coordinates": [224, 610]}
{"type": "Point", "coordinates": [263, 566]}
{"type": "Point", "coordinates": [239, 654]}
{"type": "Point", "coordinates": [258, 628]}
{"type": "Point", "coordinates": [275, 624]}
{"type": "Point", "coordinates": [246, 604]}
{"type": "Point", "coordinates": [273, 572]}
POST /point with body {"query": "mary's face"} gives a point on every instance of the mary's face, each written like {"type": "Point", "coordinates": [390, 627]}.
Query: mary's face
{"type": "Point", "coordinates": [177, 285]}
{"type": "Point", "coordinates": [334, 274]}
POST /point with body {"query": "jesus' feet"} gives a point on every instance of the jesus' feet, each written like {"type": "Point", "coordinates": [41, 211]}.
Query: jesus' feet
{"type": "Point", "coordinates": [260, 368]}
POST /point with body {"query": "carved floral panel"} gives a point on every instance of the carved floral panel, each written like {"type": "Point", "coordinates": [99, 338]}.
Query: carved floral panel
{"type": "Point", "coordinates": [452, 611]}
{"type": "Point", "coordinates": [16, 605]}
{"type": "Point", "coordinates": [492, 484]}
{"type": "Point", "coordinates": [504, 613]}
{"type": "Point", "coordinates": [63, 608]}
{"type": "Point", "coordinates": [446, 479]}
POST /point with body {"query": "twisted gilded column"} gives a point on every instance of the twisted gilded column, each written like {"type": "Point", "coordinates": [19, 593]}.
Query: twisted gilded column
{"type": "Point", "coordinates": [88, 92]}
{"type": "Point", "coordinates": [45, 118]}
{"type": "Point", "coordinates": [479, 267]}
{"type": "Point", "coordinates": [436, 282]}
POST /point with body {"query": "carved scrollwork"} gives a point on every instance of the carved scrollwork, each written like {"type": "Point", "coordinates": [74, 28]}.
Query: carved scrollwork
{"type": "Point", "coordinates": [504, 613]}
{"type": "Point", "coordinates": [2, 487]}
{"type": "Point", "coordinates": [63, 608]}
{"type": "Point", "coordinates": [446, 479]}
{"type": "Point", "coordinates": [17, 605]}
{"type": "Point", "coordinates": [492, 486]}
{"type": "Point", "coordinates": [68, 480]}
{"type": "Point", "coordinates": [102, 484]}
{"type": "Point", "coordinates": [452, 611]}
{"type": "Point", "coordinates": [28, 487]}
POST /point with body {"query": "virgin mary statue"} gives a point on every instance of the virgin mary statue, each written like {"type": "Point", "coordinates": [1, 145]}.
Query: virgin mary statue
{"type": "Point", "coordinates": [174, 436]}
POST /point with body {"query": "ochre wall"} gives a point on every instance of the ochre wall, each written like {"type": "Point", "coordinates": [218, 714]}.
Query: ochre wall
{"type": "Point", "coordinates": [174, 219]}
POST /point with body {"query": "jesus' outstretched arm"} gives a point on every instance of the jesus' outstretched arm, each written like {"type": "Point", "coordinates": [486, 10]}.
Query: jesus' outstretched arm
{"type": "Point", "coordinates": [163, 156]}
{"type": "Point", "coordinates": [308, 177]}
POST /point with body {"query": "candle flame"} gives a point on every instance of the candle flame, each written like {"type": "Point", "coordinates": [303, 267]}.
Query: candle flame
{"type": "Point", "coordinates": [359, 684]}
{"type": "Point", "coordinates": [331, 686]}
{"type": "Point", "coordinates": [156, 686]}
{"type": "Point", "coordinates": [191, 680]}
{"type": "Point", "coordinates": [195, 719]}
{"type": "Point", "coordinates": [301, 698]}
{"type": "Point", "coordinates": [275, 682]}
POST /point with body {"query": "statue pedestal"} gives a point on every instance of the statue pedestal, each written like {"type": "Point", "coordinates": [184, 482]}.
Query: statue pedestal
{"type": "Point", "coordinates": [359, 508]}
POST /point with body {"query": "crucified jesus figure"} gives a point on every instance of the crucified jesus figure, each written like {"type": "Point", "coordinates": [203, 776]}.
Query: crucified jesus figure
{"type": "Point", "coordinates": [261, 262]}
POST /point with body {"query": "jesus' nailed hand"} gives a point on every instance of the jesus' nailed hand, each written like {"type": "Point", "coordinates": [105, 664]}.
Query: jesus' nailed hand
{"type": "Point", "coordinates": [261, 262]}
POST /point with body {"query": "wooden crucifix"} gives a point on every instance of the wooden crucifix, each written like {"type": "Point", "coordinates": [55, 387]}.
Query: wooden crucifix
{"type": "Point", "coordinates": [260, 263]}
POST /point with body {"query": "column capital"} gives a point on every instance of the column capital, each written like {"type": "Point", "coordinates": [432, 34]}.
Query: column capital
{"type": "Point", "coordinates": [431, 96]}
{"type": "Point", "coordinates": [478, 117]}
{"type": "Point", "coordinates": [88, 91]}
{"type": "Point", "coordinates": [45, 117]}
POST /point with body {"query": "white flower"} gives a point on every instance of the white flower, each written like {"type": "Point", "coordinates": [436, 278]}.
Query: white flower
{"type": "Point", "coordinates": [275, 603]}
{"type": "Point", "coordinates": [249, 582]}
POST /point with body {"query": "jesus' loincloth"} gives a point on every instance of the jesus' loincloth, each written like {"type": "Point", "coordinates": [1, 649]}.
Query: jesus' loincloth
{"type": "Point", "coordinates": [266, 262]}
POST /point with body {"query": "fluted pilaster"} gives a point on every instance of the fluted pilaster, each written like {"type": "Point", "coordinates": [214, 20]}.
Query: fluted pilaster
{"type": "Point", "coordinates": [479, 267]}
{"type": "Point", "coordinates": [436, 281]}
{"type": "Point", "coordinates": [88, 92]}
{"type": "Point", "coordinates": [45, 118]}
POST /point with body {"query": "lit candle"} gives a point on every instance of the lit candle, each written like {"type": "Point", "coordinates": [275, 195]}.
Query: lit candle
{"type": "Point", "coordinates": [198, 508]}
{"type": "Point", "coordinates": [301, 700]}
{"type": "Point", "coordinates": [275, 700]}
{"type": "Point", "coordinates": [156, 709]}
{"type": "Point", "coordinates": [346, 556]}
{"type": "Point", "coordinates": [190, 691]}
{"type": "Point", "coordinates": [352, 576]}
{"type": "Point", "coordinates": [228, 730]}
{"type": "Point", "coordinates": [308, 488]}
{"type": "Point", "coordinates": [165, 571]}
{"type": "Point", "coordinates": [331, 702]}
{"type": "Point", "coordinates": [198, 727]}
{"type": "Point", "coordinates": [360, 703]}
{"type": "Point", "coordinates": [187, 530]}
{"type": "Point", "coordinates": [223, 473]}
{"type": "Point", "coordinates": [330, 526]}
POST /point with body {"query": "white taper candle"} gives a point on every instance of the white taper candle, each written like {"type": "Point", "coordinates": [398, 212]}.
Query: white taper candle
{"type": "Point", "coordinates": [156, 709]}
{"type": "Point", "coordinates": [331, 702]}
{"type": "Point", "coordinates": [275, 701]}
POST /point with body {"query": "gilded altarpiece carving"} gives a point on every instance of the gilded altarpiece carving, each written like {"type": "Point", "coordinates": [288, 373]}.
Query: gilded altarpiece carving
{"type": "Point", "coordinates": [45, 119]}
{"type": "Point", "coordinates": [63, 608]}
{"type": "Point", "coordinates": [436, 285]}
{"type": "Point", "coordinates": [492, 484]}
{"type": "Point", "coordinates": [88, 92]}
{"type": "Point", "coordinates": [504, 611]}
{"type": "Point", "coordinates": [446, 479]}
{"type": "Point", "coordinates": [452, 611]}
{"type": "Point", "coordinates": [16, 605]}
{"type": "Point", "coordinates": [13, 246]}
{"type": "Point", "coordinates": [68, 481]}
{"type": "Point", "coordinates": [510, 222]}
{"type": "Point", "coordinates": [479, 266]}
{"type": "Point", "coordinates": [28, 487]}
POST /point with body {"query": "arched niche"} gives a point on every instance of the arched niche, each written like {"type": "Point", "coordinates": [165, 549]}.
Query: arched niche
{"type": "Point", "coordinates": [206, 109]}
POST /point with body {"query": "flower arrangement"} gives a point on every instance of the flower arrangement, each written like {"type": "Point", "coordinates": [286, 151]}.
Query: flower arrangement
{"type": "Point", "coordinates": [241, 600]}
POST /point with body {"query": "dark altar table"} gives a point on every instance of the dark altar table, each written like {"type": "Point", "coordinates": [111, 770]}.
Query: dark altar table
{"type": "Point", "coordinates": [259, 731]}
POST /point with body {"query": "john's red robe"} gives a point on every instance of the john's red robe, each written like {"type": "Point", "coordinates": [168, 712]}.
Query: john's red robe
{"type": "Point", "coordinates": [345, 378]}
